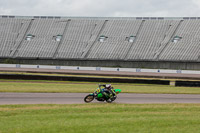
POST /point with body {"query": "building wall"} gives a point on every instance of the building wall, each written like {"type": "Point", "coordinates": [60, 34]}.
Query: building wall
{"type": "Point", "coordinates": [110, 63]}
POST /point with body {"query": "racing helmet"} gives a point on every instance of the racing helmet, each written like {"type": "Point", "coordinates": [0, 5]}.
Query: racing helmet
{"type": "Point", "coordinates": [108, 86]}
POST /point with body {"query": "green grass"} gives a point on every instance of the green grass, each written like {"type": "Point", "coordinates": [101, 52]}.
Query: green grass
{"type": "Point", "coordinates": [98, 118]}
{"type": "Point", "coordinates": [80, 87]}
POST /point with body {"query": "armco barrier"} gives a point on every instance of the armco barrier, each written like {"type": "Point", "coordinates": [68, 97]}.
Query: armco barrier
{"type": "Point", "coordinates": [89, 79]}
{"type": "Point", "coordinates": [188, 83]}
{"type": "Point", "coordinates": [96, 79]}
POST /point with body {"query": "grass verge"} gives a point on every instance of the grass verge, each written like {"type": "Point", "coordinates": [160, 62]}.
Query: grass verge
{"type": "Point", "coordinates": [87, 87]}
{"type": "Point", "coordinates": [98, 118]}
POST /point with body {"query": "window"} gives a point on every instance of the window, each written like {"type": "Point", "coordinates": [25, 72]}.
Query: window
{"type": "Point", "coordinates": [138, 17]}
{"type": "Point", "coordinates": [102, 38]}
{"type": "Point", "coordinates": [11, 16]}
{"type": "Point", "coordinates": [29, 37]}
{"type": "Point", "coordinates": [50, 17]}
{"type": "Point", "coordinates": [43, 17]}
{"type": "Point", "coordinates": [36, 17]}
{"type": "Point", "coordinates": [176, 39]}
{"type": "Point", "coordinates": [57, 17]}
{"type": "Point", "coordinates": [4, 16]}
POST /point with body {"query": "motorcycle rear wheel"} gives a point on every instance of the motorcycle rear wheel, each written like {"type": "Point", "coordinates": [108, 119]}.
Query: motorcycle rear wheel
{"type": "Point", "coordinates": [113, 99]}
{"type": "Point", "coordinates": [109, 100]}
{"type": "Point", "coordinates": [89, 98]}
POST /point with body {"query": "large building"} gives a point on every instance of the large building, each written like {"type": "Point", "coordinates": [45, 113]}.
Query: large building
{"type": "Point", "coordinates": [172, 43]}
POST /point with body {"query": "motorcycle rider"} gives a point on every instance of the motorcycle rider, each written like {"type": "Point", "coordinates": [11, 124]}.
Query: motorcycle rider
{"type": "Point", "coordinates": [108, 90]}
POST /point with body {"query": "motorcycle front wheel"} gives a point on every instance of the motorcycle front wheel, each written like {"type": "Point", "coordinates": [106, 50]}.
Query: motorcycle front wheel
{"type": "Point", "coordinates": [89, 98]}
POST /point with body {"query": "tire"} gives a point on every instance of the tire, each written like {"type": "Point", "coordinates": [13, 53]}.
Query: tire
{"type": "Point", "coordinates": [89, 98]}
{"type": "Point", "coordinates": [113, 99]}
{"type": "Point", "coordinates": [109, 101]}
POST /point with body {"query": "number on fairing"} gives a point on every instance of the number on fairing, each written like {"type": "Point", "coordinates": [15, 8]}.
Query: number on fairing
{"type": "Point", "coordinates": [98, 90]}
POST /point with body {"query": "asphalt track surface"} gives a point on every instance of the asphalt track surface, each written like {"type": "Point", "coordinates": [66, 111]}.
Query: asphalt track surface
{"type": "Point", "coordinates": [77, 98]}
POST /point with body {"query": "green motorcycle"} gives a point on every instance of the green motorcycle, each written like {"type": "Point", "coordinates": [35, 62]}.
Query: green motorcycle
{"type": "Point", "coordinates": [102, 95]}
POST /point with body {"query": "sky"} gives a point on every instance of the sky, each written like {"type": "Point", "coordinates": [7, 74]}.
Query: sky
{"type": "Point", "coordinates": [101, 8]}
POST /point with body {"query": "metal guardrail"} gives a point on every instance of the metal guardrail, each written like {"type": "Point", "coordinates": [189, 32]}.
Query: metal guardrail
{"type": "Point", "coordinates": [98, 68]}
